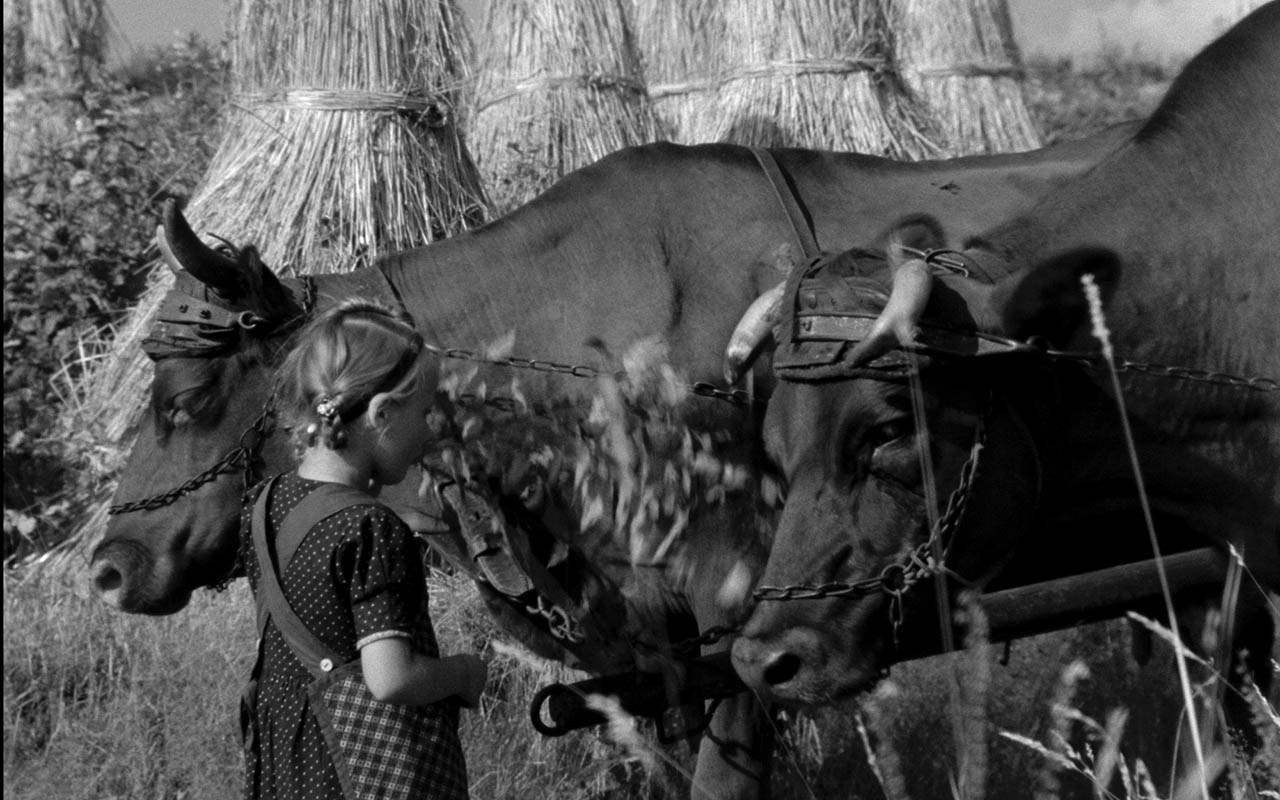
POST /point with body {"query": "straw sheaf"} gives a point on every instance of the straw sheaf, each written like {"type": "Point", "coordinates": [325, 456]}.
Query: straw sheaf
{"type": "Point", "coordinates": [681, 43]}
{"type": "Point", "coordinates": [560, 87]}
{"type": "Point", "coordinates": [65, 40]}
{"type": "Point", "coordinates": [340, 144]}
{"type": "Point", "coordinates": [960, 61]}
{"type": "Point", "coordinates": [808, 74]}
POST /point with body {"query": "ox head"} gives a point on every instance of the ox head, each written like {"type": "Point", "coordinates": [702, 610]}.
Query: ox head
{"type": "Point", "coordinates": [173, 527]}
{"type": "Point", "coordinates": [884, 358]}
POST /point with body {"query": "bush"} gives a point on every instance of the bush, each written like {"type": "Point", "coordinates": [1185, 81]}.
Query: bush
{"type": "Point", "coordinates": [84, 172]}
{"type": "Point", "coordinates": [1070, 103]}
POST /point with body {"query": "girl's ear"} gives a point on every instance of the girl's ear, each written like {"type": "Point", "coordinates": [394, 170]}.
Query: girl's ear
{"type": "Point", "coordinates": [379, 409]}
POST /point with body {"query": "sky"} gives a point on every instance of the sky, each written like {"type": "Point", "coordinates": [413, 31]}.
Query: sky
{"type": "Point", "coordinates": [1166, 30]}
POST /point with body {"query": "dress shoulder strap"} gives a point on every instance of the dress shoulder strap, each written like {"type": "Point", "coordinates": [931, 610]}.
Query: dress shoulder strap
{"type": "Point", "coordinates": [322, 502]}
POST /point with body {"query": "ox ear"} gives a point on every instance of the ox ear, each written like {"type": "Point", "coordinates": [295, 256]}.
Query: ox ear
{"type": "Point", "coordinates": [918, 231]}
{"type": "Point", "coordinates": [1048, 300]}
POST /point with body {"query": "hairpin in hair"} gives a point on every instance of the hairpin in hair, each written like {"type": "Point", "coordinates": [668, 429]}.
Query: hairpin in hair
{"type": "Point", "coordinates": [327, 408]}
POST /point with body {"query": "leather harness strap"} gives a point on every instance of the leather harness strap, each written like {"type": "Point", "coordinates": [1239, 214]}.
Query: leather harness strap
{"type": "Point", "coordinates": [800, 224]}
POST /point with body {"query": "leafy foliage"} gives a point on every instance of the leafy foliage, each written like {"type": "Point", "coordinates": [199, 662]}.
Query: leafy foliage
{"type": "Point", "coordinates": [1070, 103]}
{"type": "Point", "coordinates": [83, 174]}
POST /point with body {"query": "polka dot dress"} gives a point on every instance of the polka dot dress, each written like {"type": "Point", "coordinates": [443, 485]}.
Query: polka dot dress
{"type": "Point", "coordinates": [356, 577]}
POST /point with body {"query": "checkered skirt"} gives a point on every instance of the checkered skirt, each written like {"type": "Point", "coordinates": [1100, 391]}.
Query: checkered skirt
{"type": "Point", "coordinates": [382, 750]}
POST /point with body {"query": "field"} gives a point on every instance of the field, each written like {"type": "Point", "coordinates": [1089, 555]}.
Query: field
{"type": "Point", "coordinates": [103, 705]}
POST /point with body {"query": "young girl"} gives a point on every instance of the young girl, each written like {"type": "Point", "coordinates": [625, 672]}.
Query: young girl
{"type": "Point", "coordinates": [350, 697]}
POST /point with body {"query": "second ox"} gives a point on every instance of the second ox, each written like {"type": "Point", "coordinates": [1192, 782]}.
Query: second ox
{"type": "Point", "coordinates": [987, 360]}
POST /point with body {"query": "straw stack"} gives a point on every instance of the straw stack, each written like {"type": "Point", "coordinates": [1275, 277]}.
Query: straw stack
{"type": "Point", "coordinates": [17, 14]}
{"type": "Point", "coordinates": [560, 87]}
{"type": "Point", "coordinates": [804, 74]}
{"type": "Point", "coordinates": [681, 45]}
{"type": "Point", "coordinates": [959, 58]}
{"type": "Point", "coordinates": [340, 145]}
{"type": "Point", "coordinates": [65, 39]}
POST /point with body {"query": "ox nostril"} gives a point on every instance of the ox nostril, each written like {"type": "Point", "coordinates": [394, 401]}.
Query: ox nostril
{"type": "Point", "coordinates": [781, 669]}
{"type": "Point", "coordinates": [108, 579]}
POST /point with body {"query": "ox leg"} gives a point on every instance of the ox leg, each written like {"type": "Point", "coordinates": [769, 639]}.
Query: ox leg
{"type": "Point", "coordinates": [734, 754]}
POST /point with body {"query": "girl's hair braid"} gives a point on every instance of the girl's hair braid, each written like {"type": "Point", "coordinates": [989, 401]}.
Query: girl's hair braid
{"type": "Point", "coordinates": [342, 359]}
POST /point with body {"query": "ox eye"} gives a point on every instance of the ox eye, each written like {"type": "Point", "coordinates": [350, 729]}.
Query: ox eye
{"type": "Point", "coordinates": [889, 433]}
{"type": "Point", "coordinates": [178, 417]}
{"type": "Point", "coordinates": [186, 407]}
{"type": "Point", "coordinates": [893, 452]}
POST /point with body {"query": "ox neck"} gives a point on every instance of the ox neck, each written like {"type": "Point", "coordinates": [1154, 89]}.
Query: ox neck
{"type": "Point", "coordinates": [369, 283]}
{"type": "Point", "coordinates": [1202, 487]}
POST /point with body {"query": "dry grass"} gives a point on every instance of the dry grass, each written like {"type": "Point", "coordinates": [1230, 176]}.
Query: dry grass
{"type": "Point", "coordinates": [99, 704]}
{"type": "Point", "coordinates": [560, 87]}
{"type": "Point", "coordinates": [804, 74]}
{"type": "Point", "coordinates": [961, 61]}
{"type": "Point", "coordinates": [682, 45]}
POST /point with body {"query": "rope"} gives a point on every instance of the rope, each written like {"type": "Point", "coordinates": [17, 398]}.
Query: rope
{"type": "Point", "coordinates": [794, 67]}
{"type": "Point", "coordinates": [344, 100]}
{"type": "Point", "coordinates": [593, 81]}
{"type": "Point", "coordinates": [967, 69]}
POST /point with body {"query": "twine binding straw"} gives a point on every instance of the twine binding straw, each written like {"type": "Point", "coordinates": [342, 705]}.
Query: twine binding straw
{"type": "Point", "coordinates": [341, 146]}
{"type": "Point", "coordinates": [560, 87]}
{"type": "Point", "coordinates": [681, 43]}
{"type": "Point", "coordinates": [960, 61]}
{"type": "Point", "coordinates": [808, 74]}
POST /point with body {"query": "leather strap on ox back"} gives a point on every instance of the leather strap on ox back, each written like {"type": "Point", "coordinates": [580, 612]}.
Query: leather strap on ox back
{"type": "Point", "coordinates": [790, 205]}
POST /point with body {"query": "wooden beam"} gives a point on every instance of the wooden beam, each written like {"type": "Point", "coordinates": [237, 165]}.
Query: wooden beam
{"type": "Point", "coordinates": [1078, 599]}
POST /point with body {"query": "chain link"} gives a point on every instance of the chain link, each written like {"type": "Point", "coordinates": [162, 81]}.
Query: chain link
{"type": "Point", "coordinates": [245, 451]}
{"type": "Point", "coordinates": [896, 579]}
{"type": "Point", "coordinates": [691, 647]}
{"type": "Point", "coordinates": [1095, 361]}
{"type": "Point", "coordinates": [559, 622]}
{"type": "Point", "coordinates": [738, 397]}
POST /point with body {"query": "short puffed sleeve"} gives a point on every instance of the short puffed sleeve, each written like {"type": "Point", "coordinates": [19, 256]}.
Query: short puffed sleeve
{"type": "Point", "coordinates": [384, 575]}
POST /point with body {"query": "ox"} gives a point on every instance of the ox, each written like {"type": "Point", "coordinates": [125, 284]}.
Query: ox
{"type": "Point", "coordinates": [660, 239]}
{"type": "Point", "coordinates": [1180, 228]}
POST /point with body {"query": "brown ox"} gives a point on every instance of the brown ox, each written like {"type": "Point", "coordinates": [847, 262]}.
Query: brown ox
{"type": "Point", "coordinates": [1181, 229]}
{"type": "Point", "coordinates": [659, 239]}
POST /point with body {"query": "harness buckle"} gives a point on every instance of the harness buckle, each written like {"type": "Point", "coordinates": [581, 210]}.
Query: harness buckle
{"type": "Point", "coordinates": [893, 579]}
{"type": "Point", "coordinates": [249, 320]}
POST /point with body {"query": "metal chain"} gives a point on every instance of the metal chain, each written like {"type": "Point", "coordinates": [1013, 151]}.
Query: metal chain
{"type": "Point", "coordinates": [245, 451]}
{"type": "Point", "coordinates": [701, 388]}
{"type": "Point", "coordinates": [261, 428]}
{"type": "Point", "coordinates": [896, 579]}
{"type": "Point", "coordinates": [1095, 361]}
{"type": "Point", "coordinates": [559, 622]}
{"type": "Point", "coordinates": [690, 648]}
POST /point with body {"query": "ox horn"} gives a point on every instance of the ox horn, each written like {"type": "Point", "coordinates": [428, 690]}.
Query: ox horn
{"type": "Point", "coordinates": [755, 327]}
{"type": "Point", "coordinates": [183, 250]}
{"type": "Point", "coordinates": [896, 325]}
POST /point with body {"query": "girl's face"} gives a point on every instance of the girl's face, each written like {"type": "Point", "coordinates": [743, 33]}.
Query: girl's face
{"type": "Point", "coordinates": [402, 437]}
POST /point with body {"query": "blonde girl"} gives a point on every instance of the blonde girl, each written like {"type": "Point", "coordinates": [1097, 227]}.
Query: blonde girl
{"type": "Point", "coordinates": [350, 697]}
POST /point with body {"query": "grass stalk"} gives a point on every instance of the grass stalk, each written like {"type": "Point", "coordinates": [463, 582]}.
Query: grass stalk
{"type": "Point", "coordinates": [1100, 331]}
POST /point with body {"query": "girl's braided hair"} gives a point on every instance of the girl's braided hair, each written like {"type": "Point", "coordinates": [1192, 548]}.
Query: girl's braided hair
{"type": "Point", "coordinates": [341, 360]}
